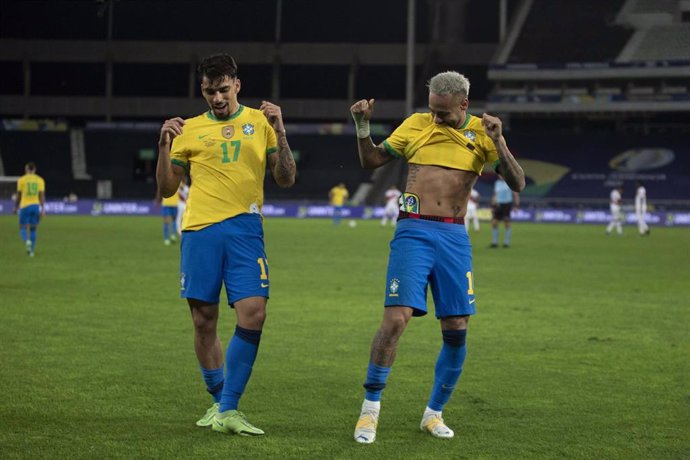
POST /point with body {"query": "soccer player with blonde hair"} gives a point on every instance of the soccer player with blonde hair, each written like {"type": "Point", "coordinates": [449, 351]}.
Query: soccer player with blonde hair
{"type": "Point", "coordinates": [446, 149]}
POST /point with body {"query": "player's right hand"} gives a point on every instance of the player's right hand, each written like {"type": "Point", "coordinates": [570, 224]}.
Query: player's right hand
{"type": "Point", "coordinates": [170, 130]}
{"type": "Point", "coordinates": [362, 110]}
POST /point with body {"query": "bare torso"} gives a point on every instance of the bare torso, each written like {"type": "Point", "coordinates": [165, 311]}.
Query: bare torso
{"type": "Point", "coordinates": [441, 191]}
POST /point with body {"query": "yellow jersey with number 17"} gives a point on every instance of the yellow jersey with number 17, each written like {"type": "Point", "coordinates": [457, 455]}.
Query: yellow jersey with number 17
{"type": "Point", "coordinates": [226, 160]}
{"type": "Point", "coordinates": [30, 185]}
{"type": "Point", "coordinates": [423, 142]}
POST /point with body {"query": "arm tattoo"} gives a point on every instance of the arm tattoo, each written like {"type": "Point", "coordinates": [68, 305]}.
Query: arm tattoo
{"type": "Point", "coordinates": [285, 169]}
{"type": "Point", "coordinates": [510, 169]}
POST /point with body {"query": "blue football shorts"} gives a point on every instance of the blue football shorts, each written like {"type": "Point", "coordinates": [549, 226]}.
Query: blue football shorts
{"type": "Point", "coordinates": [169, 211]}
{"type": "Point", "coordinates": [229, 252]}
{"type": "Point", "coordinates": [30, 215]}
{"type": "Point", "coordinates": [428, 253]}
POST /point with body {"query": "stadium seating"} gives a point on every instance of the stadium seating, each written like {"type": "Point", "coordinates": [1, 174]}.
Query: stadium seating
{"type": "Point", "coordinates": [568, 31]}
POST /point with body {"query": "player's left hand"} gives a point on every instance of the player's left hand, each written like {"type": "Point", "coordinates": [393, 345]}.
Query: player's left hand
{"type": "Point", "coordinates": [493, 126]}
{"type": "Point", "coordinates": [274, 115]}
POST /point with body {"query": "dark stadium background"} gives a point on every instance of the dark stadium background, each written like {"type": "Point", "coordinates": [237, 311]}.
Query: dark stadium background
{"type": "Point", "coordinates": [594, 94]}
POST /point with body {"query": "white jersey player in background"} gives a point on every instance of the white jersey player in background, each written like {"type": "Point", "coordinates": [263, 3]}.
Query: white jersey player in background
{"type": "Point", "coordinates": [616, 214]}
{"type": "Point", "coordinates": [390, 212]}
{"type": "Point", "coordinates": [182, 193]}
{"type": "Point", "coordinates": [641, 208]}
{"type": "Point", "coordinates": [472, 215]}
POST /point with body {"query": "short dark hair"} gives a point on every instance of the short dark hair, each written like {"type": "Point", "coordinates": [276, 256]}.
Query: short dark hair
{"type": "Point", "coordinates": [31, 166]}
{"type": "Point", "coordinates": [216, 67]}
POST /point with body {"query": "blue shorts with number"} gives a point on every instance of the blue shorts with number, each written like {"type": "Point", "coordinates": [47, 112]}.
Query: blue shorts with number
{"type": "Point", "coordinates": [30, 215]}
{"type": "Point", "coordinates": [229, 252]}
{"type": "Point", "coordinates": [169, 211]}
{"type": "Point", "coordinates": [428, 253]}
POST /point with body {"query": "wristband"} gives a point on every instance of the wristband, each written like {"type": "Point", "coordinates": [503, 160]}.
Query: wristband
{"type": "Point", "coordinates": [362, 127]}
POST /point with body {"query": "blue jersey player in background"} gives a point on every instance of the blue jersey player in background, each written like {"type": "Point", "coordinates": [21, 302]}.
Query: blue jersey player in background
{"type": "Point", "coordinates": [502, 203]}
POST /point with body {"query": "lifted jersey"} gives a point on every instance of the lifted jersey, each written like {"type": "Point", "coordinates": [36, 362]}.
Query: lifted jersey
{"type": "Point", "coordinates": [423, 142]}
{"type": "Point", "coordinates": [226, 160]}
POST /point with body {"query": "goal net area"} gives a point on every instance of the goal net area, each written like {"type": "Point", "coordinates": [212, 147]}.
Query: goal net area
{"type": "Point", "coordinates": [8, 187]}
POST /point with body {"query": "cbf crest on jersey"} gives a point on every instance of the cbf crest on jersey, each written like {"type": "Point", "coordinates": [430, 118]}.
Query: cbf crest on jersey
{"type": "Point", "coordinates": [471, 135]}
{"type": "Point", "coordinates": [248, 129]}
{"type": "Point", "coordinates": [228, 131]}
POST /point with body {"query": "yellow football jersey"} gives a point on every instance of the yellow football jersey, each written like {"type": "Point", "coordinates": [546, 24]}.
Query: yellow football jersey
{"type": "Point", "coordinates": [423, 142]}
{"type": "Point", "coordinates": [339, 195]}
{"type": "Point", "coordinates": [30, 185]}
{"type": "Point", "coordinates": [226, 159]}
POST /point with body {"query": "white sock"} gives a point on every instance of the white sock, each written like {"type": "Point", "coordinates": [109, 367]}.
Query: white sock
{"type": "Point", "coordinates": [371, 406]}
{"type": "Point", "coordinates": [429, 412]}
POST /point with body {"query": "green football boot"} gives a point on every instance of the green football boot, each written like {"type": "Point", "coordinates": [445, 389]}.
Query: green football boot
{"type": "Point", "coordinates": [207, 419]}
{"type": "Point", "coordinates": [233, 421]}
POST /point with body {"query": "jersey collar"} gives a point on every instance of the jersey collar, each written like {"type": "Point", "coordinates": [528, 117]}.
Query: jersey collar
{"type": "Point", "coordinates": [210, 115]}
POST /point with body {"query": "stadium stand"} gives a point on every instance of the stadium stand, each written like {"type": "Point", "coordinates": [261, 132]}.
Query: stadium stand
{"type": "Point", "coordinates": [554, 32]}
{"type": "Point", "coordinates": [618, 90]}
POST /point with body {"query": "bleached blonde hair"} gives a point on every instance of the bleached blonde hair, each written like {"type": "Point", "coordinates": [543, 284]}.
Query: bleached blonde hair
{"type": "Point", "coordinates": [449, 82]}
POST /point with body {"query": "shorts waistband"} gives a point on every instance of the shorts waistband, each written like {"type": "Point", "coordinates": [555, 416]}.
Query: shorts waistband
{"type": "Point", "coordinates": [447, 220]}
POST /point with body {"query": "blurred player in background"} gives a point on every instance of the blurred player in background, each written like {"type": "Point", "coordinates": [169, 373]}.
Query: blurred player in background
{"type": "Point", "coordinates": [225, 151]}
{"type": "Point", "coordinates": [502, 203]}
{"type": "Point", "coordinates": [31, 204]}
{"type": "Point", "coordinates": [337, 196]}
{"type": "Point", "coordinates": [182, 195]}
{"type": "Point", "coordinates": [169, 213]}
{"type": "Point", "coordinates": [446, 151]}
{"type": "Point", "coordinates": [616, 213]}
{"type": "Point", "coordinates": [641, 208]}
{"type": "Point", "coordinates": [392, 208]}
{"type": "Point", "coordinates": [472, 207]}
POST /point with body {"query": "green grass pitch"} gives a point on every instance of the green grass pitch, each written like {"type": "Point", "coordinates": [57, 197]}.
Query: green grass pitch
{"type": "Point", "coordinates": [580, 348]}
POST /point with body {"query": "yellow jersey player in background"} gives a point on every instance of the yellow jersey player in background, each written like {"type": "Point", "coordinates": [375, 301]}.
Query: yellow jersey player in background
{"type": "Point", "coordinates": [225, 151]}
{"type": "Point", "coordinates": [31, 204]}
{"type": "Point", "coordinates": [169, 210]}
{"type": "Point", "coordinates": [337, 196]}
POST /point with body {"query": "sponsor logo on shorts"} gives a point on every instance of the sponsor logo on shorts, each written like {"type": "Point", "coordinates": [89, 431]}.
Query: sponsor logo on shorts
{"type": "Point", "coordinates": [183, 279]}
{"type": "Point", "coordinates": [264, 285]}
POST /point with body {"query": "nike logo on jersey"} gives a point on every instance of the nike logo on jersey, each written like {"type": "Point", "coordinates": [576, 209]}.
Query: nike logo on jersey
{"type": "Point", "coordinates": [201, 137]}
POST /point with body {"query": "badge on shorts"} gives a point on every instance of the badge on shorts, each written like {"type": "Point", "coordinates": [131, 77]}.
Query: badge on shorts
{"type": "Point", "coordinates": [228, 131]}
{"type": "Point", "coordinates": [409, 202]}
{"type": "Point", "coordinates": [393, 287]}
{"type": "Point", "coordinates": [183, 278]}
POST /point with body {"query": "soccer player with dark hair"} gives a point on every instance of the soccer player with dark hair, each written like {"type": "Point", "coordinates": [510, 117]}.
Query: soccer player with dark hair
{"type": "Point", "coordinates": [31, 204]}
{"type": "Point", "coordinates": [225, 151]}
{"type": "Point", "coordinates": [446, 150]}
